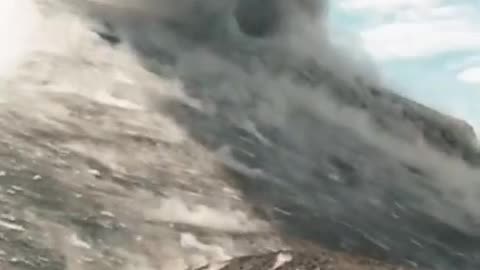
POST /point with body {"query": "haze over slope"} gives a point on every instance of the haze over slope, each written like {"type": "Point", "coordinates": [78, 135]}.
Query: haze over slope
{"type": "Point", "coordinates": [168, 134]}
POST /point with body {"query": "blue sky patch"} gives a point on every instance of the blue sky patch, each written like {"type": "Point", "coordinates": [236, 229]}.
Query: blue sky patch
{"type": "Point", "coordinates": [428, 49]}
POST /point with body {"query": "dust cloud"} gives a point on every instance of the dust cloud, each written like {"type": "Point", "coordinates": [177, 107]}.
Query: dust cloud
{"type": "Point", "coordinates": [147, 92]}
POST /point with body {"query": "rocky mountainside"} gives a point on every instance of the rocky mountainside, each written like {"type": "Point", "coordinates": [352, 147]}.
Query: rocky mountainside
{"type": "Point", "coordinates": [135, 139]}
{"type": "Point", "coordinates": [287, 260]}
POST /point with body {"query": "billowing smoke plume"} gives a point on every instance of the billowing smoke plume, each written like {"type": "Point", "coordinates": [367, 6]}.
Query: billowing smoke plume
{"type": "Point", "coordinates": [274, 63]}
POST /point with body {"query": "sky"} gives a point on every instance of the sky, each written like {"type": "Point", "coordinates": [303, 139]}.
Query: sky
{"type": "Point", "coordinates": [428, 49]}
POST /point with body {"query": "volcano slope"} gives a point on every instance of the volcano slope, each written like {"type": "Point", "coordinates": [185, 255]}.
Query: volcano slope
{"type": "Point", "coordinates": [134, 139]}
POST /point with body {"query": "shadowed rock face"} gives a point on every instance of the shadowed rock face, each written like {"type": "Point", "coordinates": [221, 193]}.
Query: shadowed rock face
{"type": "Point", "coordinates": [402, 116]}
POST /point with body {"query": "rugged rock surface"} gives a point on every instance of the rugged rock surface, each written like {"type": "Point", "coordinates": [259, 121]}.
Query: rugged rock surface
{"type": "Point", "coordinates": [287, 260]}
{"type": "Point", "coordinates": [138, 143]}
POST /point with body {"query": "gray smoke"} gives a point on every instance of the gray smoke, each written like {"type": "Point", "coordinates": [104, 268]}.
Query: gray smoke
{"type": "Point", "coordinates": [240, 59]}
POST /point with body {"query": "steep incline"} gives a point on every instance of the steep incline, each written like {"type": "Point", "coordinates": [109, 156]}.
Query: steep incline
{"type": "Point", "coordinates": [134, 139]}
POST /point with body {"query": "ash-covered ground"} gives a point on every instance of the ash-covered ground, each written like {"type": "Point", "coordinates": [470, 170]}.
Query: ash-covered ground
{"type": "Point", "coordinates": [172, 134]}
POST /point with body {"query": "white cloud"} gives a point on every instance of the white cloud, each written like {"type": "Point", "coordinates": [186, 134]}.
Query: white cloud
{"type": "Point", "coordinates": [452, 11]}
{"type": "Point", "coordinates": [426, 38]}
{"type": "Point", "coordinates": [387, 6]}
{"type": "Point", "coordinates": [470, 75]}
{"type": "Point", "coordinates": [417, 28]}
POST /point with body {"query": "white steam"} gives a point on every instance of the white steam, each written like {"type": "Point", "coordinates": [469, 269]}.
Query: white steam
{"type": "Point", "coordinates": [19, 21]}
